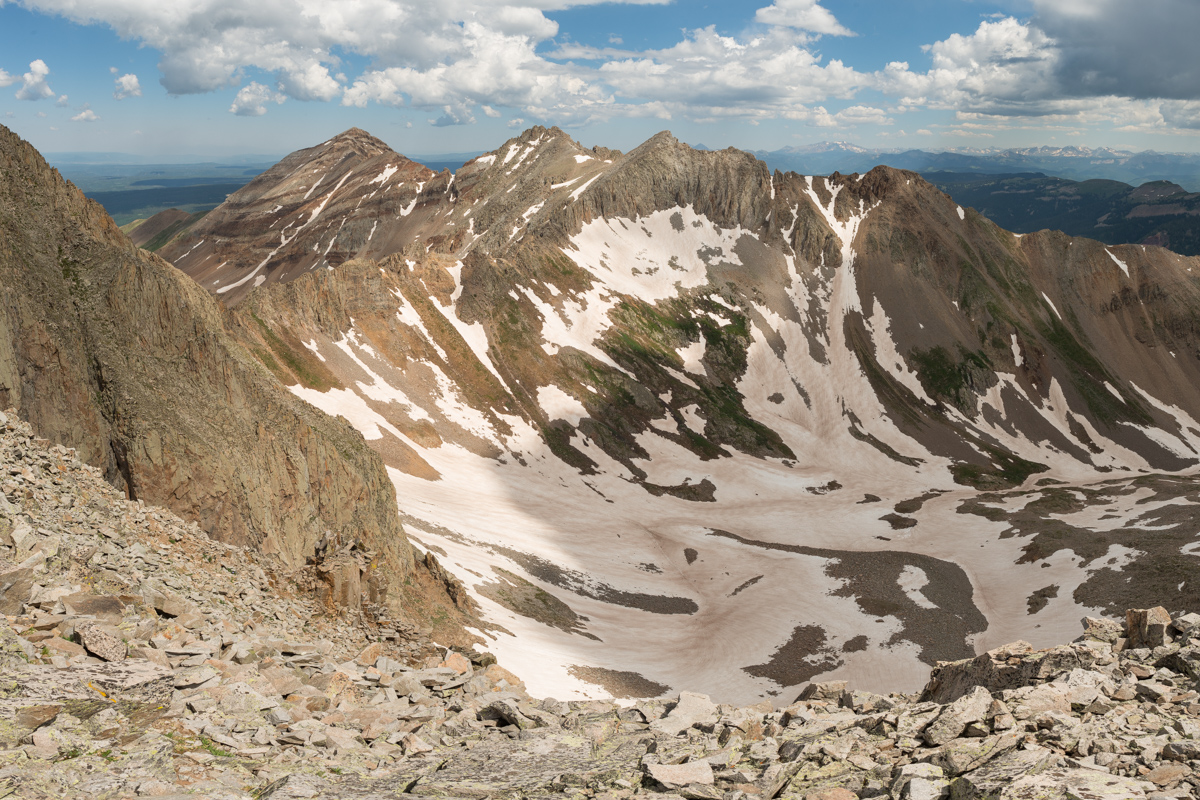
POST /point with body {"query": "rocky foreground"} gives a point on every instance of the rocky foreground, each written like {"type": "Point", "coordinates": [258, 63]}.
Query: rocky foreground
{"type": "Point", "coordinates": [140, 658]}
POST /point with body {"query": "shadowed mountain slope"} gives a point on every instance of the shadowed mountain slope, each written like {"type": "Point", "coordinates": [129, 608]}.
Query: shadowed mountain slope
{"type": "Point", "coordinates": [108, 349]}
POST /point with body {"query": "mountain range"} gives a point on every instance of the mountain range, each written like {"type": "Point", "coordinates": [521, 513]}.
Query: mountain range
{"type": "Point", "coordinates": [1071, 162]}
{"type": "Point", "coordinates": [637, 404]}
{"type": "Point", "coordinates": [1157, 212]}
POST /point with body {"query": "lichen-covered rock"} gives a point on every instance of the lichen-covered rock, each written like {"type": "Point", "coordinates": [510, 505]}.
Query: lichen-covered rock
{"type": "Point", "coordinates": [1008, 667]}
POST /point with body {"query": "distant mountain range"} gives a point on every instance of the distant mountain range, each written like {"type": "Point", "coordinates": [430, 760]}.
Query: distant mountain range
{"type": "Point", "coordinates": [1158, 212]}
{"type": "Point", "coordinates": [1073, 163]}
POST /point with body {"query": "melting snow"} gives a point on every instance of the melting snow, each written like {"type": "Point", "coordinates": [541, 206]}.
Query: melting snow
{"type": "Point", "coordinates": [1017, 351]}
{"type": "Point", "coordinates": [316, 351]}
{"type": "Point", "coordinates": [580, 159]}
{"type": "Point", "coordinates": [1124, 267]}
{"type": "Point", "coordinates": [961, 214]}
{"type": "Point", "coordinates": [559, 405]}
{"type": "Point", "coordinates": [1052, 306]}
{"type": "Point", "coordinates": [693, 357]}
{"type": "Point", "coordinates": [575, 194]}
{"type": "Point", "coordinates": [912, 580]}
{"type": "Point", "coordinates": [312, 188]}
{"type": "Point", "coordinates": [382, 177]}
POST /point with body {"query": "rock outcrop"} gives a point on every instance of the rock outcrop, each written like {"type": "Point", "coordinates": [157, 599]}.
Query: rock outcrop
{"type": "Point", "coordinates": [110, 350]}
{"type": "Point", "coordinates": [223, 678]}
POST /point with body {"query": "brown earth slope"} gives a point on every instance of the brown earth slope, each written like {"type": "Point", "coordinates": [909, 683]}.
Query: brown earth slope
{"type": "Point", "coordinates": [108, 349]}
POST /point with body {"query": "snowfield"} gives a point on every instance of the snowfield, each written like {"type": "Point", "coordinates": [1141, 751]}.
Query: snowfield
{"type": "Point", "coordinates": [845, 562]}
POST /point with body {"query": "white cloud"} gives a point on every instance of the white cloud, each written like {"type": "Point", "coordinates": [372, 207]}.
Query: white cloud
{"type": "Point", "coordinates": [805, 15]}
{"type": "Point", "coordinates": [6, 79]}
{"type": "Point", "coordinates": [33, 83]}
{"type": "Point", "coordinates": [40, 115]}
{"type": "Point", "coordinates": [708, 76]}
{"type": "Point", "coordinates": [252, 99]}
{"type": "Point", "coordinates": [62, 101]}
{"type": "Point", "coordinates": [452, 58]}
{"type": "Point", "coordinates": [1075, 61]}
{"type": "Point", "coordinates": [85, 115]}
{"type": "Point", "coordinates": [127, 86]}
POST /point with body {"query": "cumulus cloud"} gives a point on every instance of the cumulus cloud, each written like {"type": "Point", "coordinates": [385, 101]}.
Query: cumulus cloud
{"type": "Point", "coordinates": [62, 101]}
{"type": "Point", "coordinates": [33, 83]}
{"type": "Point", "coordinates": [1083, 61]}
{"type": "Point", "coordinates": [6, 79]}
{"type": "Point", "coordinates": [454, 58]}
{"type": "Point", "coordinates": [85, 115]}
{"type": "Point", "coordinates": [126, 86]}
{"type": "Point", "coordinates": [456, 61]}
{"type": "Point", "coordinates": [711, 75]}
{"type": "Point", "coordinates": [252, 99]}
{"type": "Point", "coordinates": [805, 15]}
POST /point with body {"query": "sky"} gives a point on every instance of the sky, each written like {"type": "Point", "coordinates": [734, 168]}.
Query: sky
{"type": "Point", "coordinates": [166, 78]}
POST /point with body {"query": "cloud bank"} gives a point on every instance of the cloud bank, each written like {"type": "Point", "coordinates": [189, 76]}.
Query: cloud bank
{"type": "Point", "coordinates": [458, 60]}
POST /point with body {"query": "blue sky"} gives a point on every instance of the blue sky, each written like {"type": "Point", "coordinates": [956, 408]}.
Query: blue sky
{"type": "Point", "coordinates": [222, 77]}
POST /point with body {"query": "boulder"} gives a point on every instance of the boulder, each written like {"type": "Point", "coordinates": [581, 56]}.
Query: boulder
{"type": "Point", "coordinates": [1009, 667]}
{"type": "Point", "coordinates": [691, 709]}
{"type": "Point", "coordinates": [1102, 630]}
{"type": "Point", "coordinates": [676, 776]}
{"type": "Point", "coordinates": [830, 690]}
{"type": "Point", "coordinates": [1147, 627]}
{"type": "Point", "coordinates": [105, 608]}
{"type": "Point", "coordinates": [920, 782]}
{"type": "Point", "coordinates": [102, 641]}
{"type": "Point", "coordinates": [1075, 784]}
{"type": "Point", "coordinates": [971, 707]}
{"type": "Point", "coordinates": [988, 781]}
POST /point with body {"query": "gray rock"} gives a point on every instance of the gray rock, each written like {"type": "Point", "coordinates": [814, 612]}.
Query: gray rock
{"type": "Point", "coordinates": [1075, 784]}
{"type": "Point", "coordinates": [691, 709]}
{"type": "Point", "coordinates": [971, 707]}
{"type": "Point", "coordinates": [988, 781]}
{"type": "Point", "coordinates": [102, 641]}
{"type": "Point", "coordinates": [676, 776]}
{"type": "Point", "coordinates": [920, 782]}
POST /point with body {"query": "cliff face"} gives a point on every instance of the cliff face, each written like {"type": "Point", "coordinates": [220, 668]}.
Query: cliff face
{"type": "Point", "coordinates": [110, 350]}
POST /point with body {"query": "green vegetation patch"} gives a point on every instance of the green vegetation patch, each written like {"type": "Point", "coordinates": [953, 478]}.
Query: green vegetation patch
{"type": "Point", "coordinates": [949, 379]}
{"type": "Point", "coordinates": [306, 368]}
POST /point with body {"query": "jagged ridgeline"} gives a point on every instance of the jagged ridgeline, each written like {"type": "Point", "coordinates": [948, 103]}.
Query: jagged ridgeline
{"type": "Point", "coordinates": [108, 349]}
{"type": "Point", "coordinates": [825, 427]}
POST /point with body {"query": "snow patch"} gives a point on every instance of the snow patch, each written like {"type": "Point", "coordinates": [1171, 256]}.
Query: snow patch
{"type": "Point", "coordinates": [693, 357]}
{"type": "Point", "coordinates": [1052, 306]}
{"type": "Point", "coordinates": [575, 194]}
{"type": "Point", "coordinates": [1124, 267]}
{"type": "Point", "coordinates": [559, 405]}
{"type": "Point", "coordinates": [912, 580]}
{"type": "Point", "coordinates": [382, 177]}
